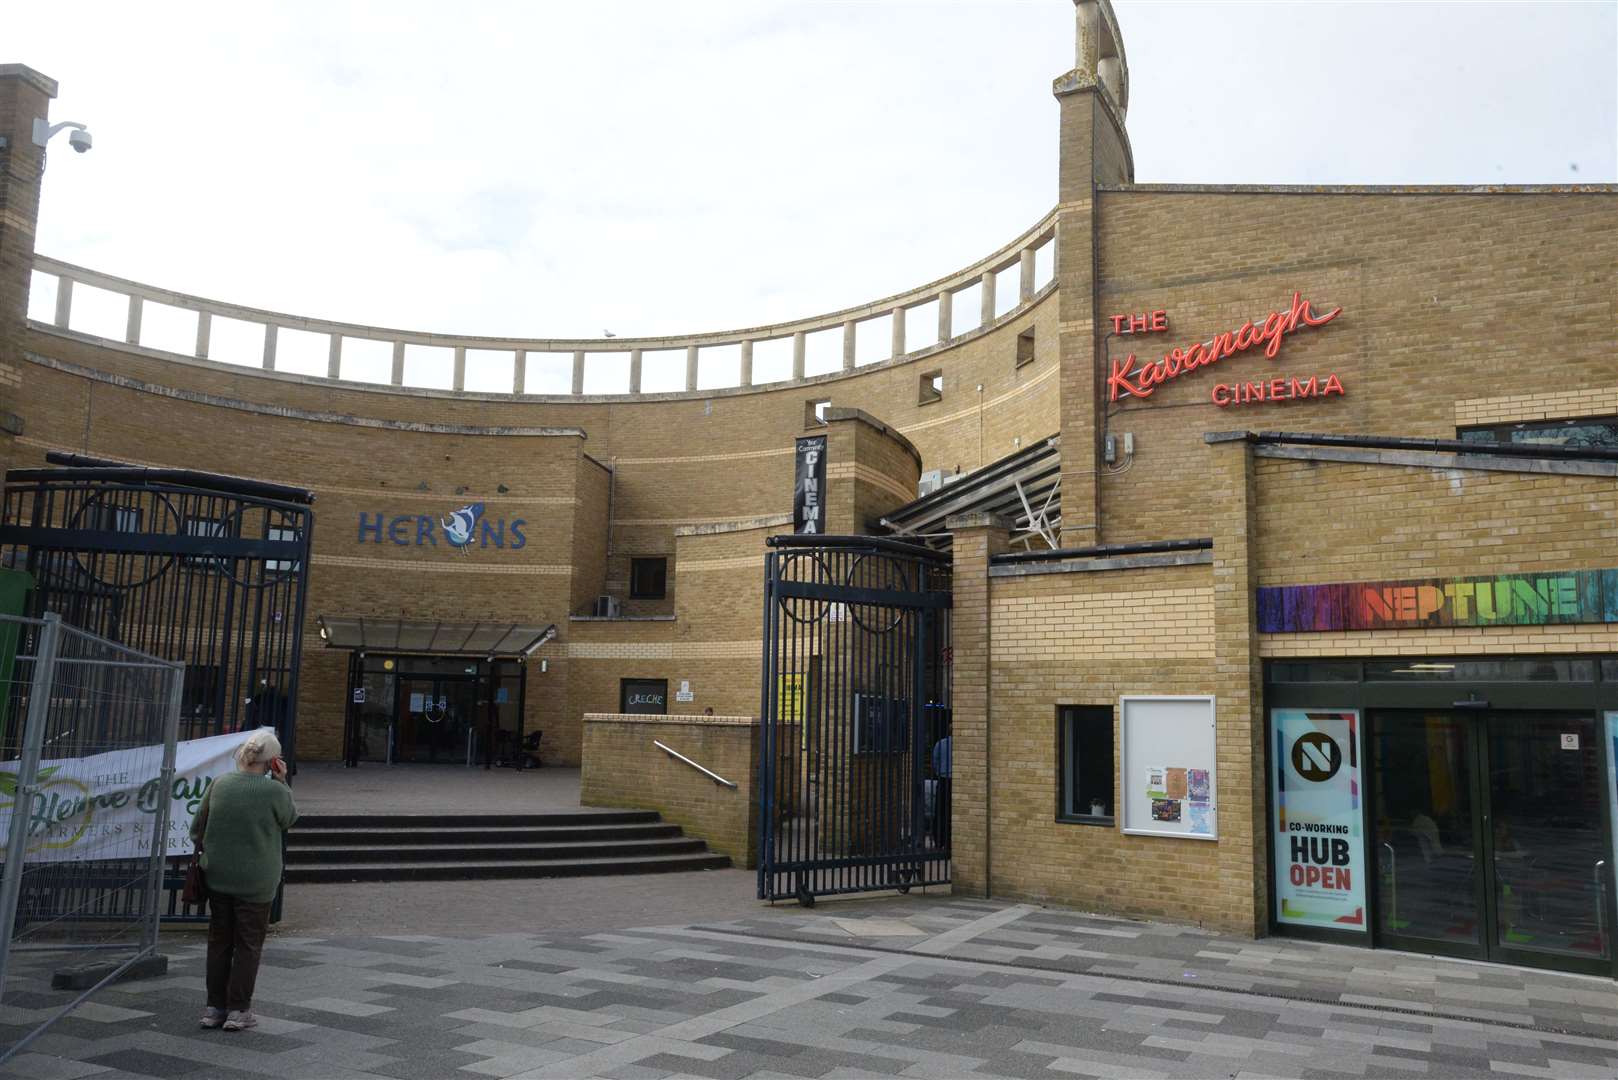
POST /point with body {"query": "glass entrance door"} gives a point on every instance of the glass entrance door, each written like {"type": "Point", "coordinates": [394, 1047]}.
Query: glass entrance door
{"type": "Point", "coordinates": [1489, 836]}
{"type": "Point", "coordinates": [435, 712]}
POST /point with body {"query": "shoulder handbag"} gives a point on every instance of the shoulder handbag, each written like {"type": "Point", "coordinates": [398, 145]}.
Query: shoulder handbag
{"type": "Point", "coordinates": [196, 884]}
{"type": "Point", "coordinates": [195, 890]}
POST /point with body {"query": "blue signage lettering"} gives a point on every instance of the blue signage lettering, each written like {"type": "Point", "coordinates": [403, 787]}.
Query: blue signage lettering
{"type": "Point", "coordinates": [464, 528]}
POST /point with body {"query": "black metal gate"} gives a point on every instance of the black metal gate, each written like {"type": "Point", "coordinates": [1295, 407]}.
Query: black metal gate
{"type": "Point", "coordinates": [206, 570]}
{"type": "Point", "coordinates": [855, 771]}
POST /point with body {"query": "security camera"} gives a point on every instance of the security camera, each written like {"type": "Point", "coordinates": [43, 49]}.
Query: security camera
{"type": "Point", "coordinates": [79, 139]}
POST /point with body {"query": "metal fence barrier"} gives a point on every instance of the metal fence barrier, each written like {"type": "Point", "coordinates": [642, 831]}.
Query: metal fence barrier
{"type": "Point", "coordinates": [84, 813]}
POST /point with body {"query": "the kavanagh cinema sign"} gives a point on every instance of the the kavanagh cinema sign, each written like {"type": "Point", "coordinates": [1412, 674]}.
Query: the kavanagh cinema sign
{"type": "Point", "coordinates": [1131, 378]}
{"type": "Point", "coordinates": [464, 528]}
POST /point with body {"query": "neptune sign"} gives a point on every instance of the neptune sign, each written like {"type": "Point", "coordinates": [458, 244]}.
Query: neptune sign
{"type": "Point", "coordinates": [464, 528]}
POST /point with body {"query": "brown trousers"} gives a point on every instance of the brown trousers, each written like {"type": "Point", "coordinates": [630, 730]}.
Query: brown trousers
{"type": "Point", "coordinates": [236, 930]}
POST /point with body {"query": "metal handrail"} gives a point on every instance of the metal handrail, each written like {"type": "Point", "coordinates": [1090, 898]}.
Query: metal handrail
{"type": "Point", "coordinates": [709, 773]}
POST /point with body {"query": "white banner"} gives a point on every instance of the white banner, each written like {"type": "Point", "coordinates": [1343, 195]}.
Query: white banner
{"type": "Point", "coordinates": [102, 806]}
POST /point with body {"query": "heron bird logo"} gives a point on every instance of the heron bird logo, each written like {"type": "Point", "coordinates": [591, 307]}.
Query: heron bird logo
{"type": "Point", "coordinates": [462, 524]}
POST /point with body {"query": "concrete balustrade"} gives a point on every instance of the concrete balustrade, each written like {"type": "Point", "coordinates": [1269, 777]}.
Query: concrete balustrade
{"type": "Point", "coordinates": [1021, 253]}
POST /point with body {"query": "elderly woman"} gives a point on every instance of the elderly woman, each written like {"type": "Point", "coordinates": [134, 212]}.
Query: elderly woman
{"type": "Point", "coordinates": [238, 829]}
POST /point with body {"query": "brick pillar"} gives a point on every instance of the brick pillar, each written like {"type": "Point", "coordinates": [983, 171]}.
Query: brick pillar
{"type": "Point", "coordinates": [1238, 678]}
{"type": "Point", "coordinates": [24, 95]}
{"type": "Point", "coordinates": [976, 537]}
{"type": "Point", "coordinates": [1093, 150]}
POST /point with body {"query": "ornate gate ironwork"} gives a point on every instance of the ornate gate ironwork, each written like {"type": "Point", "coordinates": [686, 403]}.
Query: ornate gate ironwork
{"type": "Point", "coordinates": [206, 571]}
{"type": "Point", "coordinates": [855, 770]}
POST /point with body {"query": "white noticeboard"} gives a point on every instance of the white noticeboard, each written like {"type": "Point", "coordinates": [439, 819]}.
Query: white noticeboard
{"type": "Point", "coordinates": [1166, 759]}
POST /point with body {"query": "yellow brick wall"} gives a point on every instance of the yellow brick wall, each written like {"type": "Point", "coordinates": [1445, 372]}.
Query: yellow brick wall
{"type": "Point", "coordinates": [1088, 639]}
{"type": "Point", "coordinates": [1457, 309]}
{"type": "Point", "coordinates": [1324, 521]}
{"type": "Point", "coordinates": [622, 768]}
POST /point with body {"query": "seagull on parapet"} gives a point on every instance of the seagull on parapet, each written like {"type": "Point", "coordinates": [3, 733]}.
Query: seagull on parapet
{"type": "Point", "coordinates": [608, 333]}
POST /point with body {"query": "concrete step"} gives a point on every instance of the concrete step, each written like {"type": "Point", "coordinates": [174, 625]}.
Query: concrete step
{"type": "Point", "coordinates": [484, 852]}
{"type": "Point", "coordinates": [304, 837]}
{"type": "Point", "coordinates": [470, 821]}
{"type": "Point", "coordinates": [459, 871]}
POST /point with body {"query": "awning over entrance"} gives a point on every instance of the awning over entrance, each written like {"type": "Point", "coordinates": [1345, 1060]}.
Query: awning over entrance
{"type": "Point", "coordinates": [433, 638]}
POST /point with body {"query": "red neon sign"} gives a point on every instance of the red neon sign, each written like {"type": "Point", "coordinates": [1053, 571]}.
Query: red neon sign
{"type": "Point", "coordinates": [1141, 323]}
{"type": "Point", "coordinates": [1128, 380]}
{"type": "Point", "coordinates": [1277, 389]}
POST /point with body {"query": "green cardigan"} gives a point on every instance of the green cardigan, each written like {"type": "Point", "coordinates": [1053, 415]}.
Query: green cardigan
{"type": "Point", "coordinates": [238, 828]}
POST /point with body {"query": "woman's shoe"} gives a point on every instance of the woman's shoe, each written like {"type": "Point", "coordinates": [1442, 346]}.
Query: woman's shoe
{"type": "Point", "coordinates": [212, 1017]}
{"type": "Point", "coordinates": [237, 1021]}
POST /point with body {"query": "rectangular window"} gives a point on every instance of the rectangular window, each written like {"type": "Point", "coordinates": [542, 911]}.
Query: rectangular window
{"type": "Point", "coordinates": [206, 528]}
{"type": "Point", "coordinates": [1025, 347]}
{"type": "Point", "coordinates": [649, 696]}
{"type": "Point", "coordinates": [1600, 431]}
{"type": "Point", "coordinates": [1084, 764]}
{"type": "Point", "coordinates": [281, 566]}
{"type": "Point", "coordinates": [648, 578]}
{"type": "Point", "coordinates": [932, 388]}
{"type": "Point", "coordinates": [814, 413]}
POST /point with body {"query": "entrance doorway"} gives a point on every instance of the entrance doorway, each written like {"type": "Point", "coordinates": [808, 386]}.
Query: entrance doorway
{"type": "Point", "coordinates": [435, 718]}
{"type": "Point", "coordinates": [1489, 835]}
{"type": "Point", "coordinates": [434, 709]}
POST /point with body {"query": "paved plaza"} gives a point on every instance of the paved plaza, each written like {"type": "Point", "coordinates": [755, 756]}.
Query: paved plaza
{"type": "Point", "coordinates": [904, 986]}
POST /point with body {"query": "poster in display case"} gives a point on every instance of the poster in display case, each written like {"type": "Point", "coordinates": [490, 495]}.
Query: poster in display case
{"type": "Point", "coordinates": [1166, 761]}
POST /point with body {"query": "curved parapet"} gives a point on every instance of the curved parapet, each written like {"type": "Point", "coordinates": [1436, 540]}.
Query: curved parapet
{"type": "Point", "coordinates": [1021, 267]}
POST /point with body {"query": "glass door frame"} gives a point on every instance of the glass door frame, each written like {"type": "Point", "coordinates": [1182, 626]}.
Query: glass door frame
{"type": "Point", "coordinates": [1351, 683]}
{"type": "Point", "coordinates": [1477, 775]}
{"type": "Point", "coordinates": [1482, 895]}
{"type": "Point", "coordinates": [489, 678]}
{"type": "Point", "coordinates": [467, 684]}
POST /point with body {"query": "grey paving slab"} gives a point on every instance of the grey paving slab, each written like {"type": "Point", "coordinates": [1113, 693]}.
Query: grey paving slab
{"type": "Point", "coordinates": [978, 990]}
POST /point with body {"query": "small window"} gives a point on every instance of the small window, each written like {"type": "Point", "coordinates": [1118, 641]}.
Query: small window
{"type": "Point", "coordinates": [281, 532]}
{"type": "Point", "coordinates": [1025, 347]}
{"type": "Point", "coordinates": [649, 696]}
{"type": "Point", "coordinates": [648, 578]}
{"type": "Point", "coordinates": [206, 528]}
{"type": "Point", "coordinates": [932, 388]}
{"type": "Point", "coordinates": [814, 413]}
{"type": "Point", "coordinates": [1084, 764]}
{"type": "Point", "coordinates": [1599, 431]}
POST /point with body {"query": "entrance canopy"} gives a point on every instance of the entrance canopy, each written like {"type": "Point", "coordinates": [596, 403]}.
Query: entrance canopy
{"type": "Point", "coordinates": [433, 638]}
{"type": "Point", "coordinates": [1024, 486]}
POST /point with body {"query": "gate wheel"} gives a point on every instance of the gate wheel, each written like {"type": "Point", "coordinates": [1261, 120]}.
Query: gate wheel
{"type": "Point", "coordinates": [805, 897]}
{"type": "Point", "coordinates": [904, 874]}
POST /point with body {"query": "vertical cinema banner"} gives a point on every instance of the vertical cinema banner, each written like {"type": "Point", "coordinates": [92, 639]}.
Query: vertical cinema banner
{"type": "Point", "coordinates": [809, 486]}
{"type": "Point", "coordinates": [1317, 837]}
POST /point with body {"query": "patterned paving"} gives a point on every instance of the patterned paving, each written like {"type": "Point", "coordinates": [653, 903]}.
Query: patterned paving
{"type": "Point", "coordinates": [914, 987]}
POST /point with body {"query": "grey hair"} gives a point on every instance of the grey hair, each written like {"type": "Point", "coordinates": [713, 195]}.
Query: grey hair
{"type": "Point", "coordinates": [258, 749]}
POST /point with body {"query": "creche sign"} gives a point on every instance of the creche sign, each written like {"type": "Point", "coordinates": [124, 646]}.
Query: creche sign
{"type": "Point", "coordinates": [464, 528]}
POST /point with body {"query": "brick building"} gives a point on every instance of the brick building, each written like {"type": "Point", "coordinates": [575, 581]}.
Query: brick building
{"type": "Point", "coordinates": [1354, 676]}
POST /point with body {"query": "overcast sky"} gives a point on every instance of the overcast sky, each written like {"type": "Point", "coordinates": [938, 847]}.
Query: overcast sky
{"type": "Point", "coordinates": [555, 169]}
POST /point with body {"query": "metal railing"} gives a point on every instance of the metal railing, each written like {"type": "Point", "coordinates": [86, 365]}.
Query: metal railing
{"type": "Point", "coordinates": [1022, 254]}
{"type": "Point", "coordinates": [84, 809]}
{"type": "Point", "coordinates": [709, 773]}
